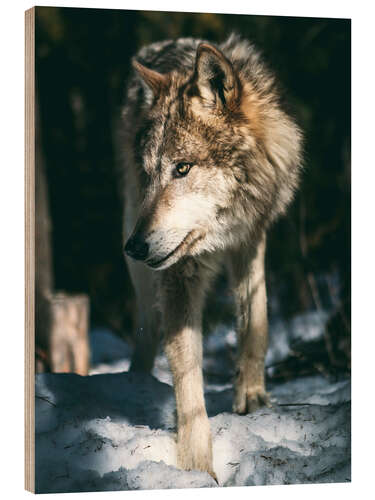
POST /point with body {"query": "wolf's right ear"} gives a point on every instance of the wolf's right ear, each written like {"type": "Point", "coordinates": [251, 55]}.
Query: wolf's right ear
{"type": "Point", "coordinates": [215, 77]}
{"type": "Point", "coordinates": [157, 82]}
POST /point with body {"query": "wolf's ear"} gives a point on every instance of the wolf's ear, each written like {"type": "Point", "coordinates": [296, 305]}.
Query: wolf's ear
{"type": "Point", "coordinates": [156, 81]}
{"type": "Point", "coordinates": [215, 77]}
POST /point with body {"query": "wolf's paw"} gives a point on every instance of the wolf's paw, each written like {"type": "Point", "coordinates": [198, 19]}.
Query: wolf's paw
{"type": "Point", "coordinates": [193, 459]}
{"type": "Point", "coordinates": [249, 398]}
{"type": "Point", "coordinates": [194, 447]}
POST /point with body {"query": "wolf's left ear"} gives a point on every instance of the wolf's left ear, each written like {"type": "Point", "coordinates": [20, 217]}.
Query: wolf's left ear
{"type": "Point", "coordinates": [157, 82]}
{"type": "Point", "coordinates": [215, 77]}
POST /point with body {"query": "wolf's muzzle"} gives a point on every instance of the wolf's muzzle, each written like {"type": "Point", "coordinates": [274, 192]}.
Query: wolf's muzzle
{"type": "Point", "coordinates": [136, 248]}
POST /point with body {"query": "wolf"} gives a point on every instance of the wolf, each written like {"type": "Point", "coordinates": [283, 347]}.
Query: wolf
{"type": "Point", "coordinates": [209, 159]}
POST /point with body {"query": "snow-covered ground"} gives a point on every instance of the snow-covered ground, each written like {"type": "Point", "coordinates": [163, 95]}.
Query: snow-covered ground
{"type": "Point", "coordinates": [115, 430]}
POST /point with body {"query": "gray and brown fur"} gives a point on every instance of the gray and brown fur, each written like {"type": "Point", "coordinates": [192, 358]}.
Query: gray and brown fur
{"type": "Point", "coordinates": [215, 109]}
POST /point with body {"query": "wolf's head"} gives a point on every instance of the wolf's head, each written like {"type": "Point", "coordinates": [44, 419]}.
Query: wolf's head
{"type": "Point", "coordinates": [218, 158]}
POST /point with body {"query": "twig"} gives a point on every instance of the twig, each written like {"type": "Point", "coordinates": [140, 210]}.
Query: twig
{"type": "Point", "coordinates": [45, 399]}
{"type": "Point", "coordinates": [295, 404]}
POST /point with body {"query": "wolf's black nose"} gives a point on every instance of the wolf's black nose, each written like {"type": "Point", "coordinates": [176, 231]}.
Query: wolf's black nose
{"type": "Point", "coordinates": [136, 248]}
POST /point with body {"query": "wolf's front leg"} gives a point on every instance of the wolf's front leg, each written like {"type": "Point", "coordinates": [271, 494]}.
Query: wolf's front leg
{"type": "Point", "coordinates": [182, 300]}
{"type": "Point", "coordinates": [249, 286]}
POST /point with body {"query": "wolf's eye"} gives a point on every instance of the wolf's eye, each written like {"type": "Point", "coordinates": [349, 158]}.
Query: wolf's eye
{"type": "Point", "coordinates": [183, 168]}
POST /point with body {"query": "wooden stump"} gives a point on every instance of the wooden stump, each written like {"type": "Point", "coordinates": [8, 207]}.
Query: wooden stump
{"type": "Point", "coordinates": [68, 343]}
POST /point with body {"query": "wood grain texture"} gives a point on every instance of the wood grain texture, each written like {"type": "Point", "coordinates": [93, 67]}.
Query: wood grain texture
{"type": "Point", "coordinates": [30, 249]}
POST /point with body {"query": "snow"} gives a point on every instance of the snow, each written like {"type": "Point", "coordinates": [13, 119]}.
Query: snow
{"type": "Point", "coordinates": [115, 430]}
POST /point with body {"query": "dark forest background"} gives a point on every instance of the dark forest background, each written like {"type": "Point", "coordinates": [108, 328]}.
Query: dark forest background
{"type": "Point", "coordinates": [82, 64]}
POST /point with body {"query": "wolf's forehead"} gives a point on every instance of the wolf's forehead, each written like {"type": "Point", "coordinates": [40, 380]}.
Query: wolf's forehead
{"type": "Point", "coordinates": [161, 135]}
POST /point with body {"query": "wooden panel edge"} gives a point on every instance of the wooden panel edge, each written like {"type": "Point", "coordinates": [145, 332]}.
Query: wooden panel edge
{"type": "Point", "coordinates": [30, 250]}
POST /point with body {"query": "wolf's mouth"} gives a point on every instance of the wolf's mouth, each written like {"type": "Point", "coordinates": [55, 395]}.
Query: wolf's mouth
{"type": "Point", "coordinates": [156, 264]}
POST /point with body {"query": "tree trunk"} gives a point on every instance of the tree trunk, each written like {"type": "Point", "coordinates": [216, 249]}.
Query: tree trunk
{"type": "Point", "coordinates": [61, 320]}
